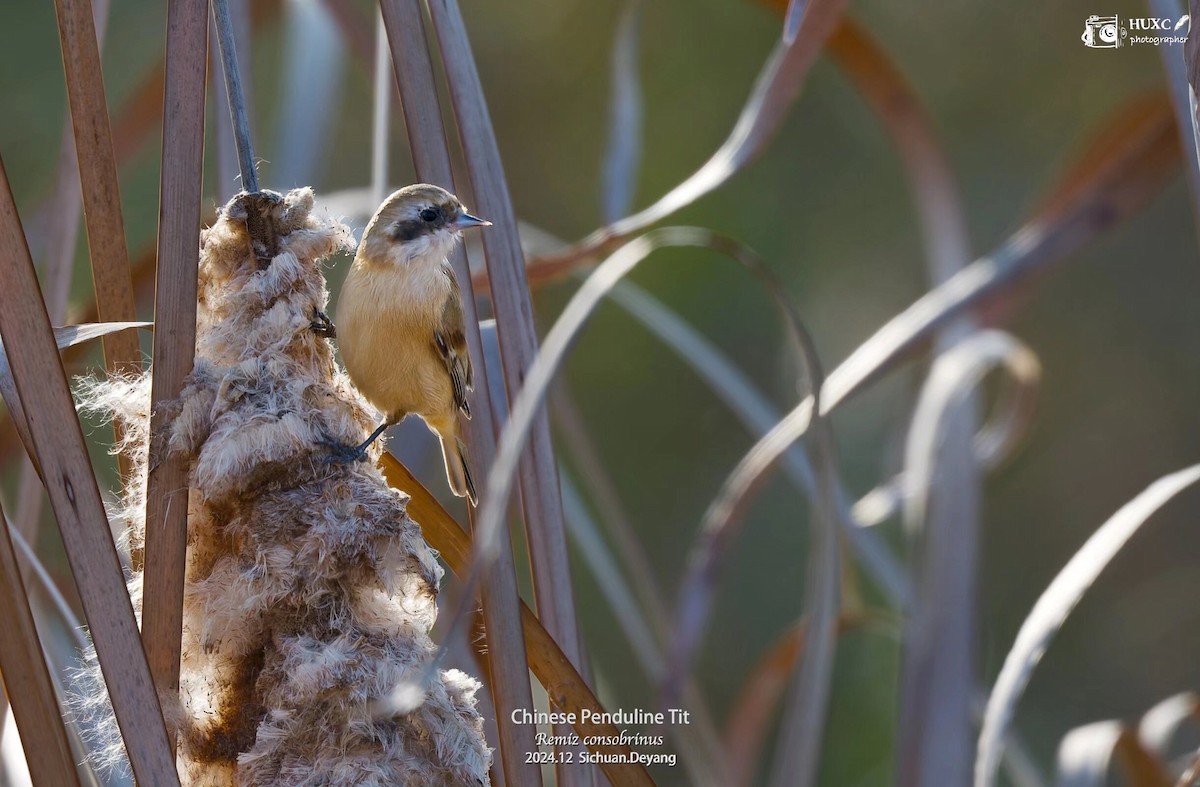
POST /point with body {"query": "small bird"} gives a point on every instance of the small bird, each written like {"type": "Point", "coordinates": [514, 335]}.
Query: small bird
{"type": "Point", "coordinates": [400, 321]}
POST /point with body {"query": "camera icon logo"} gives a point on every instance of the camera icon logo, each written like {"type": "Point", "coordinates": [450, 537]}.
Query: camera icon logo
{"type": "Point", "coordinates": [1103, 32]}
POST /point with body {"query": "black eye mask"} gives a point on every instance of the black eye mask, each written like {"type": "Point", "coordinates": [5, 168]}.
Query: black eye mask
{"type": "Point", "coordinates": [427, 221]}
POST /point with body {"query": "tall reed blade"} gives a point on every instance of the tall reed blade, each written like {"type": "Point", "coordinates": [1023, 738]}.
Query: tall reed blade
{"type": "Point", "coordinates": [65, 206]}
{"type": "Point", "coordinates": [508, 681]}
{"type": "Point", "coordinates": [56, 435]}
{"type": "Point", "coordinates": [27, 681]}
{"type": "Point", "coordinates": [541, 500]}
{"type": "Point", "coordinates": [98, 178]}
{"type": "Point", "coordinates": [175, 330]}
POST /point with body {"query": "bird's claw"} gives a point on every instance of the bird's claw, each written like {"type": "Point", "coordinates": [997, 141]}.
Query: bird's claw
{"type": "Point", "coordinates": [321, 325]}
{"type": "Point", "coordinates": [340, 453]}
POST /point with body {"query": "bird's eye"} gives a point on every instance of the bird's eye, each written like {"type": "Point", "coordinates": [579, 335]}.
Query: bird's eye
{"type": "Point", "coordinates": [429, 214]}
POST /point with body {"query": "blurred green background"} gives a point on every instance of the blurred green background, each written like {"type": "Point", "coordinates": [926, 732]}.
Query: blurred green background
{"type": "Point", "coordinates": [1014, 94]}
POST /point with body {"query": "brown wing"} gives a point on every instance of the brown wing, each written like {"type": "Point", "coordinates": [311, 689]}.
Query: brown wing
{"type": "Point", "coordinates": [451, 344]}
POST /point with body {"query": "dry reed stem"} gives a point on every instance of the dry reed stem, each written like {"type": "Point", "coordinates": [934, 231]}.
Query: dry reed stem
{"type": "Point", "coordinates": [508, 681]}
{"type": "Point", "coordinates": [100, 185]}
{"type": "Point", "coordinates": [541, 499]}
{"type": "Point", "coordinates": [27, 681]}
{"type": "Point", "coordinates": [65, 206]}
{"type": "Point", "coordinates": [98, 179]}
{"type": "Point", "coordinates": [75, 498]}
{"type": "Point", "coordinates": [567, 689]}
{"type": "Point", "coordinates": [181, 180]}
{"type": "Point", "coordinates": [143, 286]}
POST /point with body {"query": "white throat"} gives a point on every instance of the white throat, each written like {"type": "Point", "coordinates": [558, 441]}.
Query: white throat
{"type": "Point", "coordinates": [430, 249]}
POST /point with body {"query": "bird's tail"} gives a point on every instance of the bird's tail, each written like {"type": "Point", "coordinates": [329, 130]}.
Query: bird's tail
{"type": "Point", "coordinates": [458, 473]}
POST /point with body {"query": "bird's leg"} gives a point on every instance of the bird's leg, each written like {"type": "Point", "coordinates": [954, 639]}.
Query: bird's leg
{"type": "Point", "coordinates": [345, 454]}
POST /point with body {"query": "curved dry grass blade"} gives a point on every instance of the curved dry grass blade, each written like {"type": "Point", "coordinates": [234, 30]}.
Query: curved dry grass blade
{"type": "Point", "coordinates": [804, 719]}
{"type": "Point", "coordinates": [776, 89]}
{"type": "Point", "coordinates": [509, 675]}
{"type": "Point", "coordinates": [953, 376]}
{"type": "Point", "coordinates": [65, 337]}
{"type": "Point", "coordinates": [1056, 603]}
{"type": "Point", "coordinates": [75, 499]}
{"type": "Point", "coordinates": [1159, 725]}
{"type": "Point", "coordinates": [993, 444]}
{"type": "Point", "coordinates": [568, 691]}
{"type": "Point", "coordinates": [938, 668]}
{"type": "Point", "coordinates": [529, 399]}
{"type": "Point", "coordinates": [541, 500]}
{"type": "Point", "coordinates": [624, 155]}
{"type": "Point", "coordinates": [934, 744]}
{"type": "Point", "coordinates": [1128, 164]}
{"type": "Point", "coordinates": [697, 740]}
{"type": "Point", "coordinates": [758, 416]}
{"type": "Point", "coordinates": [98, 178]}
{"type": "Point", "coordinates": [1085, 755]}
{"type": "Point", "coordinates": [27, 680]}
{"type": "Point", "coordinates": [180, 183]}
{"type": "Point", "coordinates": [798, 753]}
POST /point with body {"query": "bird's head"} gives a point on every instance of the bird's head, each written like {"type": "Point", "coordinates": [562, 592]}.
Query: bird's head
{"type": "Point", "coordinates": [417, 222]}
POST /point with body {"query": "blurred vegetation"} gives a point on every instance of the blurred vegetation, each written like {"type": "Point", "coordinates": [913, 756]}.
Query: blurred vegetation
{"type": "Point", "coordinates": [1014, 94]}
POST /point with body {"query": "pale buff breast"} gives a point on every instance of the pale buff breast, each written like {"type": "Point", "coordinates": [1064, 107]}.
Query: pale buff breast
{"type": "Point", "coordinates": [385, 322]}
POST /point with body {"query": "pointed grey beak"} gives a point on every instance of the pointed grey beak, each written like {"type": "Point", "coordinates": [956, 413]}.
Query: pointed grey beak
{"type": "Point", "coordinates": [466, 221]}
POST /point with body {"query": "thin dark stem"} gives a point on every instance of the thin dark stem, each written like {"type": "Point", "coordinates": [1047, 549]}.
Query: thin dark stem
{"type": "Point", "coordinates": [237, 97]}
